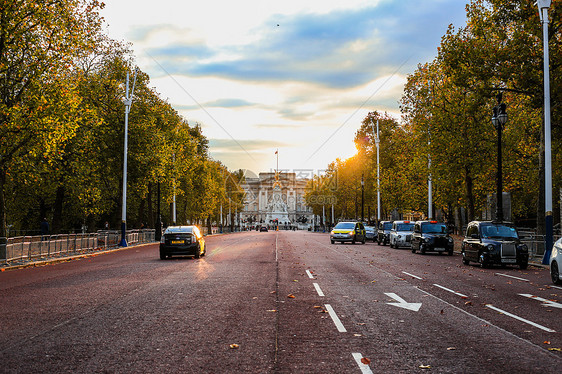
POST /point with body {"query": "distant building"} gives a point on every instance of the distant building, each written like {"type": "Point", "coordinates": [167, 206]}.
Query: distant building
{"type": "Point", "coordinates": [269, 197]}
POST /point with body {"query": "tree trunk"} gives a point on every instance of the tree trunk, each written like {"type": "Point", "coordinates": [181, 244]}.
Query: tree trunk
{"type": "Point", "coordinates": [150, 207]}
{"type": "Point", "coordinates": [540, 200]}
{"type": "Point", "coordinates": [469, 194]}
{"type": "Point", "coordinates": [3, 232]}
{"type": "Point", "coordinates": [57, 210]}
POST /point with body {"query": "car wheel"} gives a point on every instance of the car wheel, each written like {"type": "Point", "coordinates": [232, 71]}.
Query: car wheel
{"type": "Point", "coordinates": [198, 252]}
{"type": "Point", "coordinates": [422, 250]}
{"type": "Point", "coordinates": [413, 249]}
{"type": "Point", "coordinates": [363, 242]}
{"type": "Point", "coordinates": [162, 255]}
{"type": "Point", "coordinates": [204, 250]}
{"type": "Point", "coordinates": [555, 273]}
{"type": "Point", "coordinates": [450, 253]}
{"type": "Point", "coordinates": [331, 241]}
{"type": "Point", "coordinates": [523, 265]}
{"type": "Point", "coordinates": [464, 259]}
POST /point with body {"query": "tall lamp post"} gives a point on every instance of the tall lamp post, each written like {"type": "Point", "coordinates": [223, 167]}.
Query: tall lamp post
{"type": "Point", "coordinates": [362, 199]}
{"type": "Point", "coordinates": [548, 239]}
{"type": "Point", "coordinates": [128, 102]}
{"type": "Point", "coordinates": [499, 118]}
{"type": "Point", "coordinates": [377, 143]}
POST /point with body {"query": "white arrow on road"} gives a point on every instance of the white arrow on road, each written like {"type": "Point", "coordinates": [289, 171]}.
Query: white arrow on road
{"type": "Point", "coordinates": [547, 303]}
{"type": "Point", "coordinates": [403, 303]}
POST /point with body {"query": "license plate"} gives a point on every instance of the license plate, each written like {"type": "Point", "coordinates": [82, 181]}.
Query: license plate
{"type": "Point", "coordinates": [440, 249]}
{"type": "Point", "coordinates": [177, 241]}
{"type": "Point", "coordinates": [509, 260]}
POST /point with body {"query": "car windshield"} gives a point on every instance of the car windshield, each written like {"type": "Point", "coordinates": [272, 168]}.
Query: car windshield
{"type": "Point", "coordinates": [405, 227]}
{"type": "Point", "coordinates": [369, 228]}
{"type": "Point", "coordinates": [434, 228]}
{"type": "Point", "coordinates": [387, 225]}
{"type": "Point", "coordinates": [498, 232]}
{"type": "Point", "coordinates": [345, 226]}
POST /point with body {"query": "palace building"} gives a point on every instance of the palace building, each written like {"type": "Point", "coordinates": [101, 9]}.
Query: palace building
{"type": "Point", "coordinates": [276, 197]}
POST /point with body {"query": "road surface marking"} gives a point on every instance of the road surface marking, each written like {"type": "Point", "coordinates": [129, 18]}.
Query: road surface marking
{"type": "Point", "coordinates": [519, 318]}
{"type": "Point", "coordinates": [547, 303]}
{"type": "Point", "coordinates": [309, 274]}
{"type": "Point", "coordinates": [403, 303]}
{"type": "Point", "coordinates": [335, 318]}
{"type": "Point", "coordinates": [511, 276]}
{"type": "Point", "coordinates": [320, 293]}
{"type": "Point", "coordinates": [412, 275]}
{"type": "Point", "coordinates": [485, 322]}
{"type": "Point", "coordinates": [446, 289]}
{"type": "Point", "coordinates": [365, 369]}
{"type": "Point", "coordinates": [560, 288]}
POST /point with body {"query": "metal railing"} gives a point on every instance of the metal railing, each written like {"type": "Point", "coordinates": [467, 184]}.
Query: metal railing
{"type": "Point", "coordinates": [26, 248]}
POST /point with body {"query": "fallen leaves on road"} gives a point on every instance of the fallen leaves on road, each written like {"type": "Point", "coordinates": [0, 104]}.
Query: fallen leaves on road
{"type": "Point", "coordinates": [234, 346]}
{"type": "Point", "coordinates": [365, 361]}
{"type": "Point", "coordinates": [468, 303]}
{"type": "Point", "coordinates": [451, 348]}
{"type": "Point", "coordinates": [272, 310]}
{"type": "Point", "coordinates": [555, 349]}
{"type": "Point", "coordinates": [546, 342]}
{"type": "Point", "coordinates": [291, 296]}
{"type": "Point", "coordinates": [425, 366]}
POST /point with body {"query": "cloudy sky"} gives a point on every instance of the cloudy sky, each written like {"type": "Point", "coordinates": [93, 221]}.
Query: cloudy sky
{"type": "Point", "coordinates": [293, 75]}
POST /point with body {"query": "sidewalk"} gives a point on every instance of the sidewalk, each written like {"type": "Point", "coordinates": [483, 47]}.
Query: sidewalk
{"type": "Point", "coordinates": [56, 259]}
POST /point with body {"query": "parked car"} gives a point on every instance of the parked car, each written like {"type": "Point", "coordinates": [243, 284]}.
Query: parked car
{"type": "Point", "coordinates": [348, 232]}
{"type": "Point", "coordinates": [556, 262]}
{"type": "Point", "coordinates": [489, 243]}
{"type": "Point", "coordinates": [384, 232]}
{"type": "Point", "coordinates": [371, 233]}
{"type": "Point", "coordinates": [401, 234]}
{"type": "Point", "coordinates": [263, 229]}
{"type": "Point", "coordinates": [432, 236]}
{"type": "Point", "coordinates": [182, 240]}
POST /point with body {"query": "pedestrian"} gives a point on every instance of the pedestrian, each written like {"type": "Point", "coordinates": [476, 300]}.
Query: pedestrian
{"type": "Point", "coordinates": [44, 228]}
{"type": "Point", "coordinates": [106, 226]}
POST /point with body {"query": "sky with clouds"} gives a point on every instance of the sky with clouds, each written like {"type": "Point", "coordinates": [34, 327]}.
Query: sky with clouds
{"type": "Point", "coordinates": [293, 75]}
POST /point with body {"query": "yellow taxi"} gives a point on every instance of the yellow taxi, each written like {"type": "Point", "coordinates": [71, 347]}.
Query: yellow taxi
{"type": "Point", "coordinates": [348, 232]}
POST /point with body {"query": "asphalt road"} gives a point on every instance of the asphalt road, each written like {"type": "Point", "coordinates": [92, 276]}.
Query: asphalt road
{"type": "Point", "coordinates": [278, 302]}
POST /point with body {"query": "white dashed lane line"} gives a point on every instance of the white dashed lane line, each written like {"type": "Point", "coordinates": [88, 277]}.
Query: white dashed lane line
{"type": "Point", "coordinates": [511, 276]}
{"type": "Point", "coordinates": [365, 369]}
{"type": "Point", "coordinates": [335, 318]}
{"type": "Point", "coordinates": [412, 275]}
{"type": "Point", "coordinates": [449, 290]}
{"type": "Point", "coordinates": [519, 318]}
{"type": "Point", "coordinates": [309, 274]}
{"type": "Point", "coordinates": [318, 290]}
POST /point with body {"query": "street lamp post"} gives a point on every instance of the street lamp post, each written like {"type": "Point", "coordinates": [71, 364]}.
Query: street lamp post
{"type": "Point", "coordinates": [128, 103]}
{"type": "Point", "coordinates": [499, 119]}
{"type": "Point", "coordinates": [362, 199]}
{"type": "Point", "coordinates": [548, 239]}
{"type": "Point", "coordinates": [377, 143]}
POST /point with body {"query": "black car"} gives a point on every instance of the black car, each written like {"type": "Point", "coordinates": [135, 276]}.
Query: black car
{"type": "Point", "coordinates": [263, 229]}
{"type": "Point", "coordinates": [489, 243]}
{"type": "Point", "coordinates": [383, 233]}
{"type": "Point", "coordinates": [432, 236]}
{"type": "Point", "coordinates": [182, 240]}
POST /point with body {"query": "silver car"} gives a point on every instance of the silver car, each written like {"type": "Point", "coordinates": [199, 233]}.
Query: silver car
{"type": "Point", "coordinates": [401, 234]}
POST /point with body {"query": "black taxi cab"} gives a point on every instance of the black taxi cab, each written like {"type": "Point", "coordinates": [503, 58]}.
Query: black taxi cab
{"type": "Point", "coordinates": [491, 242]}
